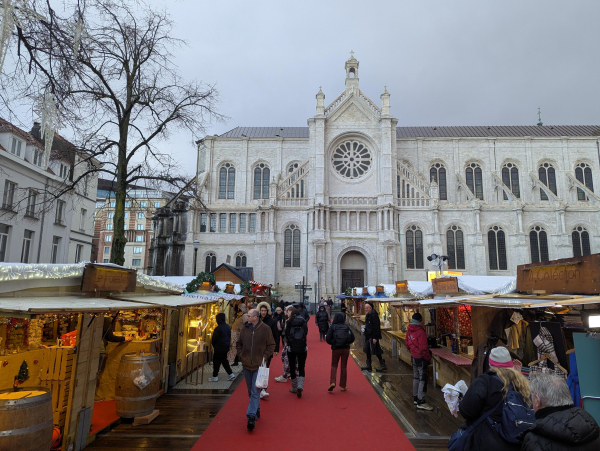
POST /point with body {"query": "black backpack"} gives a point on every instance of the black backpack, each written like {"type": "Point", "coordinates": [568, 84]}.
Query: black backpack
{"type": "Point", "coordinates": [341, 335]}
{"type": "Point", "coordinates": [297, 336]}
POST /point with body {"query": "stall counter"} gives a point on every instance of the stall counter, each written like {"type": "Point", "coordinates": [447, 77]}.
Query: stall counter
{"type": "Point", "coordinates": [106, 387]}
{"type": "Point", "coordinates": [449, 368]}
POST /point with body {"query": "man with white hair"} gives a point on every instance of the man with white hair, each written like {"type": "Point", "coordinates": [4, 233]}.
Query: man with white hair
{"type": "Point", "coordinates": [559, 426]}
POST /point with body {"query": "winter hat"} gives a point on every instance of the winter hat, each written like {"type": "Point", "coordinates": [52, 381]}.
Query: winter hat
{"type": "Point", "coordinates": [417, 316]}
{"type": "Point", "coordinates": [264, 304]}
{"type": "Point", "coordinates": [500, 357]}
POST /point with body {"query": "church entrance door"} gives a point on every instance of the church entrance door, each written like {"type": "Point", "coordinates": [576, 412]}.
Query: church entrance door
{"type": "Point", "coordinates": [352, 278]}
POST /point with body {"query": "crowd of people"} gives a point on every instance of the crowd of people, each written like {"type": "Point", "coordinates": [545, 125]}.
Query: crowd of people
{"type": "Point", "coordinates": [503, 410]}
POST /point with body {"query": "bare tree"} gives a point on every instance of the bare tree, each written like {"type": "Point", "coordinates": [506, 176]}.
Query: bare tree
{"type": "Point", "coordinates": [110, 70]}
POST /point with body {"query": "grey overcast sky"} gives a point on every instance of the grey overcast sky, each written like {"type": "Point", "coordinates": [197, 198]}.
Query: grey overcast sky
{"type": "Point", "coordinates": [444, 62]}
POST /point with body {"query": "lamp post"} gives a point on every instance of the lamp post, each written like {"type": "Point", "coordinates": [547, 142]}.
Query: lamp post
{"type": "Point", "coordinates": [196, 246]}
{"type": "Point", "coordinates": [318, 297]}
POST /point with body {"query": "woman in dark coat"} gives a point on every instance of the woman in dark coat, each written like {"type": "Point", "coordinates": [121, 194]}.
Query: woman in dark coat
{"type": "Point", "coordinates": [296, 331]}
{"type": "Point", "coordinates": [322, 321]}
{"type": "Point", "coordinates": [221, 340]}
{"type": "Point", "coordinates": [340, 337]}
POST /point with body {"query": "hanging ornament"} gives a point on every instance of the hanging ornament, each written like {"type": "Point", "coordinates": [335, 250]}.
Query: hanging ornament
{"type": "Point", "coordinates": [14, 12]}
{"type": "Point", "coordinates": [50, 120]}
{"type": "Point", "coordinates": [78, 32]}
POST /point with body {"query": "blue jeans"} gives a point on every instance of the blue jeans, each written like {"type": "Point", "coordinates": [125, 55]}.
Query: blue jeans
{"type": "Point", "coordinates": [253, 392]}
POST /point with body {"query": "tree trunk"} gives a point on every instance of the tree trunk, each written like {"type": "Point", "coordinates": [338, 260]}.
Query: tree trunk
{"type": "Point", "coordinates": [117, 254]}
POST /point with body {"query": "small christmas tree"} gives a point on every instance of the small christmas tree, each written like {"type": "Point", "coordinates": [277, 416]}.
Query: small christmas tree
{"type": "Point", "coordinates": [23, 372]}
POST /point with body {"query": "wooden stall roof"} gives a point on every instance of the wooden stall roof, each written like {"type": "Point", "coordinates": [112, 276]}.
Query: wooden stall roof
{"type": "Point", "coordinates": [167, 301]}
{"type": "Point", "coordinates": [67, 304]}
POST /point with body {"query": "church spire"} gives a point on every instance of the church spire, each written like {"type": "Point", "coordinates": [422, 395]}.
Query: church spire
{"type": "Point", "coordinates": [320, 102]}
{"type": "Point", "coordinates": [540, 123]}
{"type": "Point", "coordinates": [351, 73]}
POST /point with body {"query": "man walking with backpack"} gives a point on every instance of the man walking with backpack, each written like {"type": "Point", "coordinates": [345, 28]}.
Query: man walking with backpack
{"type": "Point", "coordinates": [372, 337]}
{"type": "Point", "coordinates": [340, 337]}
{"type": "Point", "coordinates": [416, 342]}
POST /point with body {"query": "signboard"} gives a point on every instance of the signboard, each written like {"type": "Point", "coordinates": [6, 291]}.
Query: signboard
{"type": "Point", "coordinates": [445, 285]}
{"type": "Point", "coordinates": [577, 275]}
{"type": "Point", "coordinates": [402, 286]}
{"type": "Point", "coordinates": [102, 278]}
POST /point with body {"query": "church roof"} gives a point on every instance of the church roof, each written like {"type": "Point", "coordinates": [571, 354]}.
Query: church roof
{"type": "Point", "coordinates": [480, 131]}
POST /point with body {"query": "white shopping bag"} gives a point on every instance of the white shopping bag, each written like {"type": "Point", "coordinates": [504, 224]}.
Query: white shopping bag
{"type": "Point", "coordinates": [262, 379]}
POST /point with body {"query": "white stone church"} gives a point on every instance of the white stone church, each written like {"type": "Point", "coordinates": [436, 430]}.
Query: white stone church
{"type": "Point", "coordinates": [354, 199]}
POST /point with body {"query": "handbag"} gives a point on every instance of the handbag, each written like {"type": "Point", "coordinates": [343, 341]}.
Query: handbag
{"type": "Point", "coordinates": [262, 378]}
{"type": "Point", "coordinates": [459, 439]}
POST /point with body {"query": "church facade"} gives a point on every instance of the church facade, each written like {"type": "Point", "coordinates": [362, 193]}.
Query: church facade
{"type": "Point", "coordinates": [354, 199]}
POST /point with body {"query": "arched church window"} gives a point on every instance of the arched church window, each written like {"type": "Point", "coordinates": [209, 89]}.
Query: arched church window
{"type": "Point", "coordinates": [351, 159]}
{"type": "Point", "coordinates": [547, 176]}
{"type": "Point", "coordinates": [437, 174]}
{"type": "Point", "coordinates": [538, 244]}
{"type": "Point", "coordinates": [455, 247]}
{"type": "Point", "coordinates": [510, 178]}
{"type": "Point", "coordinates": [583, 174]}
{"type": "Point", "coordinates": [240, 260]}
{"type": "Point", "coordinates": [226, 181]}
{"type": "Point", "coordinates": [211, 262]}
{"type": "Point", "coordinates": [497, 249]}
{"type": "Point", "coordinates": [414, 248]}
{"type": "Point", "coordinates": [262, 175]}
{"type": "Point", "coordinates": [292, 167]}
{"type": "Point", "coordinates": [581, 242]}
{"type": "Point", "coordinates": [291, 247]}
{"type": "Point", "coordinates": [474, 180]}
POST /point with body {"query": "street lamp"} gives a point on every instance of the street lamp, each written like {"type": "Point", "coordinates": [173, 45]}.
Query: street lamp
{"type": "Point", "coordinates": [318, 294]}
{"type": "Point", "coordinates": [196, 246]}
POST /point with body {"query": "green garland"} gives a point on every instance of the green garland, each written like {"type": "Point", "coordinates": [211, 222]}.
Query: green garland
{"type": "Point", "coordinates": [244, 287]}
{"type": "Point", "coordinates": [193, 286]}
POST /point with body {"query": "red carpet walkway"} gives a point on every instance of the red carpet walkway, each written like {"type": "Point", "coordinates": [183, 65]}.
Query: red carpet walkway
{"type": "Point", "coordinates": [353, 420]}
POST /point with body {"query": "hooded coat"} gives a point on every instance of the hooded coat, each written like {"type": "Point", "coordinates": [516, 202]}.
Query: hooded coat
{"type": "Point", "coordinates": [269, 321]}
{"type": "Point", "coordinates": [564, 428]}
{"type": "Point", "coordinates": [416, 342]}
{"type": "Point", "coordinates": [221, 337]}
{"type": "Point", "coordinates": [372, 326]}
{"type": "Point", "coordinates": [322, 320]}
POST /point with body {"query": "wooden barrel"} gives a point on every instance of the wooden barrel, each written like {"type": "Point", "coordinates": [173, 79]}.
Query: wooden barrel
{"type": "Point", "coordinates": [130, 401]}
{"type": "Point", "coordinates": [26, 419]}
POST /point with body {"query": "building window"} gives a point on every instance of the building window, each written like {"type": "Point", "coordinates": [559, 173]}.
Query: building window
{"type": "Point", "coordinates": [140, 227]}
{"type": "Point", "coordinates": [60, 212]}
{"type": "Point", "coordinates": [203, 222]}
{"type": "Point", "coordinates": [64, 171]}
{"type": "Point", "coordinates": [137, 250]}
{"type": "Point", "coordinates": [112, 204]}
{"type": "Point", "coordinates": [232, 222]}
{"type": "Point", "coordinates": [455, 246]}
{"type": "Point", "coordinates": [54, 253]}
{"type": "Point", "coordinates": [110, 215]}
{"type": "Point", "coordinates": [78, 252]}
{"type": "Point", "coordinates": [497, 249]}
{"type": "Point", "coordinates": [140, 215]}
{"type": "Point", "coordinates": [26, 248]}
{"type": "Point", "coordinates": [31, 203]}
{"type": "Point", "coordinates": [156, 204]}
{"type": "Point", "coordinates": [213, 222]}
{"type": "Point", "coordinates": [127, 204]}
{"type": "Point", "coordinates": [108, 238]}
{"type": "Point", "coordinates": [100, 204]}
{"type": "Point", "coordinates": [82, 219]}
{"type": "Point", "coordinates": [143, 204]}
{"type": "Point", "coordinates": [414, 248]}
{"type": "Point", "coordinates": [547, 177]}
{"type": "Point", "coordinates": [3, 241]}
{"type": "Point", "coordinates": [242, 222]}
{"type": "Point", "coordinates": [109, 226]}
{"type": "Point", "coordinates": [139, 238]}
{"type": "Point", "coordinates": [252, 226]}
{"type": "Point", "coordinates": [136, 262]}
{"type": "Point", "coordinates": [126, 215]}
{"type": "Point", "coordinates": [262, 175]}
{"type": "Point", "coordinates": [581, 242]}
{"type": "Point", "coordinates": [291, 247]}
{"type": "Point", "coordinates": [125, 226]}
{"type": "Point", "coordinates": [510, 178]}
{"type": "Point", "coordinates": [16, 147]}
{"type": "Point", "coordinates": [351, 159]}
{"type": "Point", "coordinates": [475, 180]}
{"type": "Point", "coordinates": [211, 262]}
{"type": "Point", "coordinates": [226, 181]}
{"type": "Point", "coordinates": [437, 174]}
{"type": "Point", "coordinates": [105, 260]}
{"type": "Point", "coordinates": [38, 157]}
{"type": "Point", "coordinates": [223, 222]}
{"type": "Point", "coordinates": [240, 260]}
{"type": "Point", "coordinates": [9, 195]}
{"type": "Point", "coordinates": [107, 249]}
{"type": "Point", "coordinates": [583, 174]}
{"type": "Point", "coordinates": [538, 243]}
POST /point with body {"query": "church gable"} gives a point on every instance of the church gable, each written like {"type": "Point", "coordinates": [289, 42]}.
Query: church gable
{"type": "Point", "coordinates": [354, 110]}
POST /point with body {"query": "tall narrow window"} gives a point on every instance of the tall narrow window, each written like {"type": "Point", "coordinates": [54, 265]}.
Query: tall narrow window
{"type": "Point", "coordinates": [510, 178]}
{"type": "Point", "coordinates": [437, 174]}
{"type": "Point", "coordinates": [203, 222]}
{"type": "Point", "coordinates": [581, 242]}
{"type": "Point", "coordinates": [26, 248]}
{"type": "Point", "coordinates": [242, 222]}
{"type": "Point", "coordinates": [252, 224]}
{"type": "Point", "coordinates": [583, 174]}
{"type": "Point", "coordinates": [262, 174]}
{"type": "Point", "coordinates": [78, 253]}
{"type": "Point", "coordinates": [55, 246]}
{"type": "Point", "coordinates": [240, 260]}
{"type": "Point", "coordinates": [291, 247]}
{"type": "Point", "coordinates": [9, 195]}
{"type": "Point", "coordinates": [497, 249]}
{"type": "Point", "coordinates": [232, 223]}
{"type": "Point", "coordinates": [414, 248]}
{"type": "Point", "coordinates": [211, 262]}
{"type": "Point", "coordinates": [547, 176]}
{"type": "Point", "coordinates": [213, 222]}
{"type": "Point", "coordinates": [226, 181]}
{"type": "Point", "coordinates": [475, 180]}
{"type": "Point", "coordinates": [60, 212]}
{"type": "Point", "coordinates": [31, 204]}
{"type": "Point", "coordinates": [538, 243]}
{"type": "Point", "coordinates": [4, 229]}
{"type": "Point", "coordinates": [455, 246]}
{"type": "Point", "coordinates": [223, 222]}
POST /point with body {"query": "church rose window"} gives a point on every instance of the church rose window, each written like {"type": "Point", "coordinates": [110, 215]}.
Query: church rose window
{"type": "Point", "coordinates": [351, 159]}
{"type": "Point", "coordinates": [583, 174]}
{"type": "Point", "coordinates": [581, 242]}
{"type": "Point", "coordinates": [538, 242]}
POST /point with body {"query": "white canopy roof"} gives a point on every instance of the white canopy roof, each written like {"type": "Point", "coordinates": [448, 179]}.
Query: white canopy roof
{"type": "Point", "coordinates": [67, 304]}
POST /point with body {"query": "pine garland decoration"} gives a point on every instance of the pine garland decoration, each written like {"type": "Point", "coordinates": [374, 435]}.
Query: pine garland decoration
{"type": "Point", "coordinates": [23, 372]}
{"type": "Point", "coordinates": [193, 286]}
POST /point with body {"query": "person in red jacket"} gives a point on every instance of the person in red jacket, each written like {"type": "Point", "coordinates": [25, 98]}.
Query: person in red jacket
{"type": "Point", "coordinates": [416, 342]}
